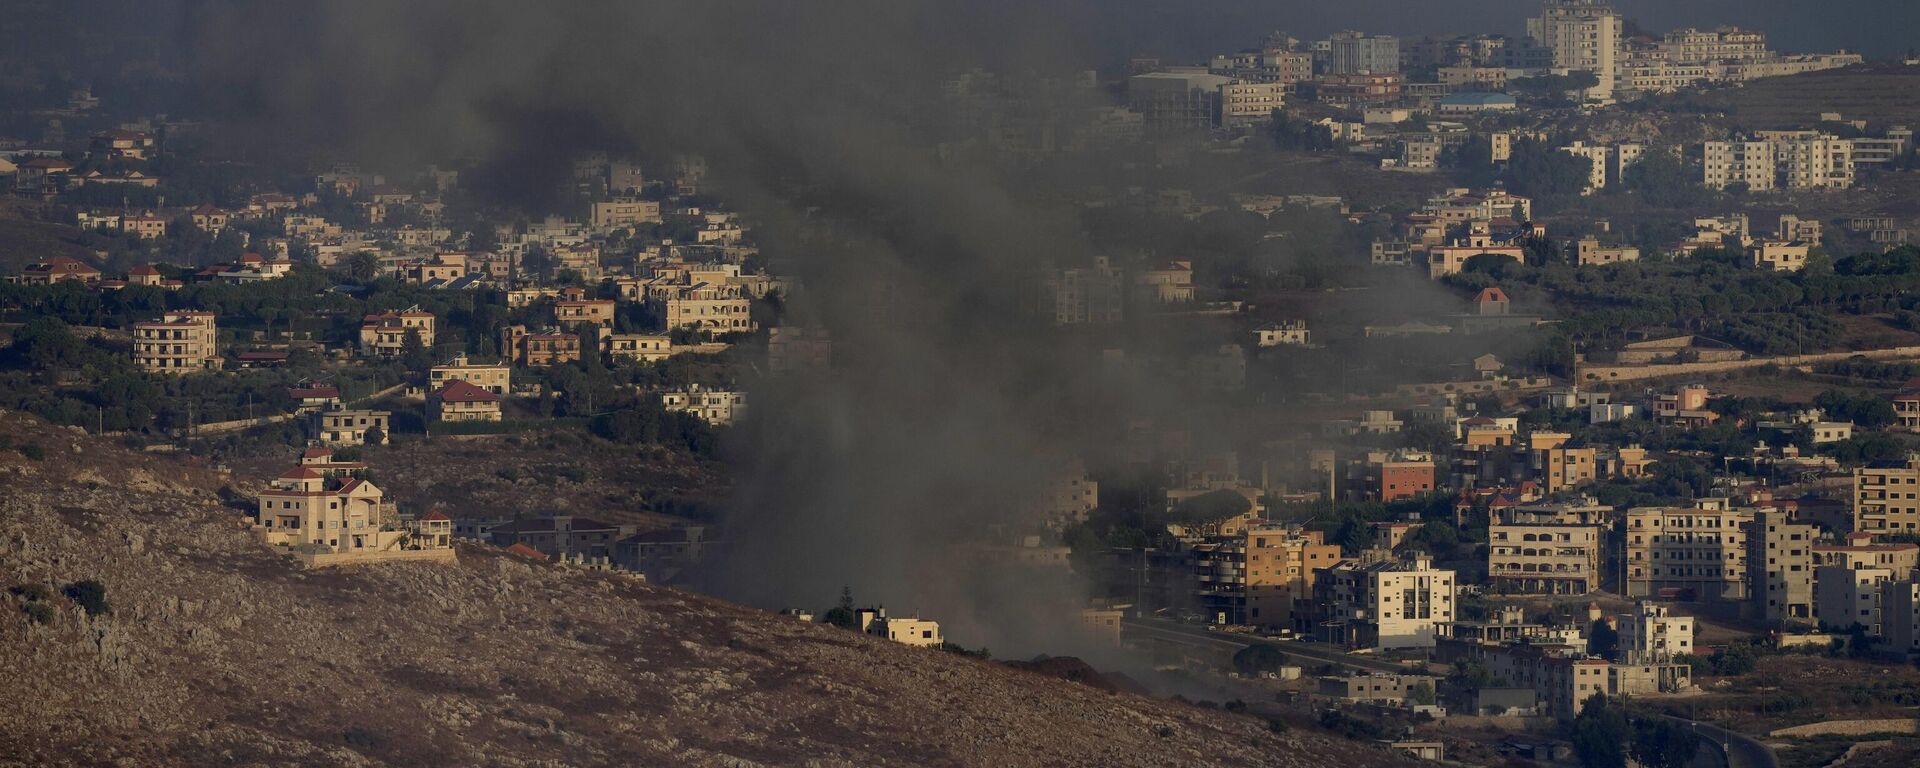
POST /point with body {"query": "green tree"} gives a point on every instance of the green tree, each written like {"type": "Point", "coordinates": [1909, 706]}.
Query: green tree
{"type": "Point", "coordinates": [90, 595]}
{"type": "Point", "coordinates": [1600, 734]}
{"type": "Point", "coordinates": [1257, 658]}
{"type": "Point", "coordinates": [1662, 178]}
{"type": "Point", "coordinates": [842, 615]}
{"type": "Point", "coordinates": [1423, 694]}
{"type": "Point", "coordinates": [1353, 535]}
{"type": "Point", "coordinates": [413, 352]}
{"type": "Point", "coordinates": [1662, 743]}
{"type": "Point", "coordinates": [1603, 640]}
{"type": "Point", "coordinates": [363, 266]}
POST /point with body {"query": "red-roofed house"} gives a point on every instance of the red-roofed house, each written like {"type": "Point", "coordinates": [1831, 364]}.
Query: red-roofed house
{"type": "Point", "coordinates": [385, 334]}
{"type": "Point", "coordinates": [57, 269]}
{"type": "Point", "coordinates": [146, 274]}
{"type": "Point", "coordinates": [525, 551]}
{"type": "Point", "coordinates": [314, 398]}
{"type": "Point", "coordinates": [1491, 301]}
{"type": "Point", "coordinates": [463, 401]}
{"type": "Point", "coordinates": [42, 176]}
{"type": "Point", "coordinates": [333, 518]}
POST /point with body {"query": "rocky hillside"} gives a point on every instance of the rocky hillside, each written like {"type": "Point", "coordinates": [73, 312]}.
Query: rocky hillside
{"type": "Point", "coordinates": [212, 650]}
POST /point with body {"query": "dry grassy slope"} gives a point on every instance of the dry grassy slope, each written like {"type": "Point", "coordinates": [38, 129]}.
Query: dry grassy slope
{"type": "Point", "coordinates": [217, 652]}
{"type": "Point", "coordinates": [24, 241]}
{"type": "Point", "coordinates": [1879, 94]}
{"type": "Point", "coordinates": [561, 471]}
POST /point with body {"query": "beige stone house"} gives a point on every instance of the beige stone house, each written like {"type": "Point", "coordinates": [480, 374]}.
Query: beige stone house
{"type": "Point", "coordinates": [339, 519]}
{"type": "Point", "coordinates": [463, 401]}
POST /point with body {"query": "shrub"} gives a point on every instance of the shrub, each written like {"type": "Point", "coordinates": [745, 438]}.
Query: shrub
{"type": "Point", "coordinates": [89, 594]}
{"type": "Point", "coordinates": [33, 592]}
{"type": "Point", "coordinates": [39, 613]}
{"type": "Point", "coordinates": [34, 451]}
{"type": "Point", "coordinates": [362, 738]}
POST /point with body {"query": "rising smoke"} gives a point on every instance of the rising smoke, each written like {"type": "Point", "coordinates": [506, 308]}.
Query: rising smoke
{"type": "Point", "coordinates": [951, 401]}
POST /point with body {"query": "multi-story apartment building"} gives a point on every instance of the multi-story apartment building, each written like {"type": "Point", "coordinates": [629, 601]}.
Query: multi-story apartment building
{"type": "Point", "coordinates": [1650, 634]}
{"type": "Point", "coordinates": [1844, 596]}
{"type": "Point", "coordinates": [1385, 604]}
{"type": "Point", "coordinates": [1558, 466]}
{"type": "Point", "coordinates": [714, 406]}
{"type": "Point", "coordinates": [1693, 46]}
{"type": "Point", "coordinates": [1780, 159]}
{"type": "Point", "coordinates": [1083, 295]}
{"type": "Point", "coordinates": [622, 212]}
{"type": "Point", "coordinates": [1354, 53]}
{"type": "Point", "coordinates": [708, 307]}
{"type": "Point", "coordinates": [1900, 558]}
{"type": "Point", "coordinates": [1751, 163]}
{"type": "Point", "coordinates": [1245, 103]}
{"type": "Point", "coordinates": [1811, 159]}
{"type": "Point", "coordinates": [1780, 564]}
{"type": "Point", "coordinates": [534, 350]}
{"type": "Point", "coordinates": [583, 312]}
{"type": "Point", "coordinates": [1583, 35]}
{"type": "Point", "coordinates": [385, 334]}
{"type": "Point", "coordinates": [1609, 162]}
{"type": "Point", "coordinates": [1543, 557]}
{"type": "Point", "coordinates": [1900, 615]}
{"type": "Point", "coordinates": [1262, 576]}
{"type": "Point", "coordinates": [179, 342]}
{"type": "Point", "coordinates": [1176, 101]}
{"type": "Point", "coordinates": [1678, 552]}
{"type": "Point", "coordinates": [1886, 497]}
{"type": "Point", "coordinates": [495, 377]}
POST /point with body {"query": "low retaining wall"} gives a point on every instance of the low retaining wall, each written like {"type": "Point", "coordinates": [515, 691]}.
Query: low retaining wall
{"type": "Point", "coordinates": [1633, 372]}
{"type": "Point", "coordinates": [364, 558]}
{"type": "Point", "coordinates": [1848, 728]}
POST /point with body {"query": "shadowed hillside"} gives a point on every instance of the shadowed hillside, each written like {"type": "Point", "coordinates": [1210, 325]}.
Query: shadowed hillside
{"type": "Point", "coordinates": [212, 650]}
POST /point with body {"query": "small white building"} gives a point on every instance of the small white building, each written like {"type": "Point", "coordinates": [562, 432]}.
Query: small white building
{"type": "Point", "coordinates": [714, 406]}
{"type": "Point", "coordinates": [1290, 333]}
{"type": "Point", "coordinates": [923, 633]}
{"type": "Point", "coordinates": [1651, 635]}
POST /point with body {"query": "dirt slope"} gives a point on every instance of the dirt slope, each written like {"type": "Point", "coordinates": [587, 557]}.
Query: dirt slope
{"type": "Point", "coordinates": [217, 652]}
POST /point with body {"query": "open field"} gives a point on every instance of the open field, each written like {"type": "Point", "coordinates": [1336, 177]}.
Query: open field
{"type": "Point", "coordinates": [1877, 94]}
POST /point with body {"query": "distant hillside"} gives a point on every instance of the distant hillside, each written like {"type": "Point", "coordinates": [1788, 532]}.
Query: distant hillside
{"type": "Point", "coordinates": [1880, 95]}
{"type": "Point", "coordinates": [218, 652]}
{"type": "Point", "coordinates": [24, 241]}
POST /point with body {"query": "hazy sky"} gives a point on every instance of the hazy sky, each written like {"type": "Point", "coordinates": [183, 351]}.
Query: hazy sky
{"type": "Point", "coordinates": [1875, 27]}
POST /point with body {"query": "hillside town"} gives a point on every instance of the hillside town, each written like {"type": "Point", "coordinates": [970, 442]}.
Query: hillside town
{"type": "Point", "coordinates": [1461, 395]}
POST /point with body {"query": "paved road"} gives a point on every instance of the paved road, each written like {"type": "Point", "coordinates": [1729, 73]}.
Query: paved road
{"type": "Point", "coordinates": [1189, 634]}
{"type": "Point", "coordinates": [1741, 751]}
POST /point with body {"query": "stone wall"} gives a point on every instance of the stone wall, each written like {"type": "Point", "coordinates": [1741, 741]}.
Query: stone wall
{"type": "Point", "coordinates": [1849, 728]}
{"type": "Point", "coordinates": [1604, 373]}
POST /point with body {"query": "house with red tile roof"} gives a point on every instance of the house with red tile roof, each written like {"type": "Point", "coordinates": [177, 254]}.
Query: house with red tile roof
{"type": "Point", "coordinates": [460, 400]}
{"type": "Point", "coordinates": [57, 269]}
{"type": "Point", "coordinates": [322, 514]}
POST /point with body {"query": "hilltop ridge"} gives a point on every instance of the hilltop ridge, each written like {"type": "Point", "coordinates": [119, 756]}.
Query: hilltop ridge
{"type": "Point", "coordinates": [217, 651]}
